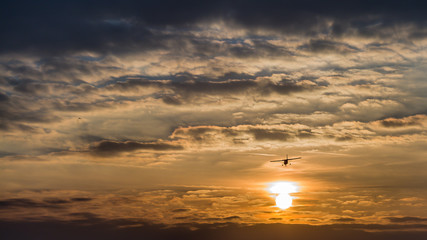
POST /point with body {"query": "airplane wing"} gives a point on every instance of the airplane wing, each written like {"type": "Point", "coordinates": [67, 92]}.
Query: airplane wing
{"type": "Point", "coordinates": [277, 161]}
{"type": "Point", "coordinates": [294, 158]}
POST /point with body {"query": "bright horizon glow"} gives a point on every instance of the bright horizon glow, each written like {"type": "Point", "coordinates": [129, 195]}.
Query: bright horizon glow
{"type": "Point", "coordinates": [283, 189]}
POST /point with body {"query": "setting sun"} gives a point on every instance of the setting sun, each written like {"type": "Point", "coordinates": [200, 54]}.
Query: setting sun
{"type": "Point", "coordinates": [283, 189]}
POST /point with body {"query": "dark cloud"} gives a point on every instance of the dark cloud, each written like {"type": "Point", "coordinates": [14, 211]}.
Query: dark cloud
{"type": "Point", "coordinates": [409, 121]}
{"type": "Point", "coordinates": [180, 210]}
{"type": "Point", "coordinates": [197, 133]}
{"type": "Point", "coordinates": [35, 92]}
{"type": "Point", "coordinates": [346, 137]}
{"type": "Point", "coordinates": [28, 203]}
{"type": "Point", "coordinates": [267, 134]}
{"type": "Point", "coordinates": [3, 97]}
{"type": "Point", "coordinates": [305, 133]}
{"type": "Point", "coordinates": [57, 35]}
{"type": "Point", "coordinates": [361, 82]}
{"type": "Point", "coordinates": [227, 87]}
{"type": "Point", "coordinates": [116, 26]}
{"type": "Point", "coordinates": [2, 154]}
{"type": "Point", "coordinates": [187, 45]}
{"type": "Point", "coordinates": [46, 203]}
{"type": "Point", "coordinates": [64, 201]}
{"type": "Point", "coordinates": [16, 113]}
{"type": "Point", "coordinates": [186, 86]}
{"type": "Point", "coordinates": [86, 217]}
{"type": "Point", "coordinates": [406, 219]}
{"type": "Point", "coordinates": [69, 106]}
{"type": "Point", "coordinates": [56, 201]}
{"type": "Point", "coordinates": [48, 74]}
{"type": "Point", "coordinates": [81, 199]}
{"type": "Point", "coordinates": [328, 46]}
{"type": "Point", "coordinates": [259, 49]}
{"type": "Point", "coordinates": [107, 148]}
{"type": "Point", "coordinates": [90, 138]}
{"type": "Point", "coordinates": [28, 87]}
{"type": "Point", "coordinates": [344, 219]}
{"type": "Point", "coordinates": [172, 100]}
{"type": "Point", "coordinates": [241, 135]}
{"type": "Point", "coordinates": [23, 85]}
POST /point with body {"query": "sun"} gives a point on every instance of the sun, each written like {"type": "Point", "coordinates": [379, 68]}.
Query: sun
{"type": "Point", "coordinates": [283, 189]}
{"type": "Point", "coordinates": [283, 201]}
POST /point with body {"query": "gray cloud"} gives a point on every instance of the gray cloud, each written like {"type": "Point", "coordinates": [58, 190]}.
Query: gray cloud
{"type": "Point", "coordinates": [29, 87]}
{"type": "Point", "coordinates": [118, 27]}
{"type": "Point", "coordinates": [259, 49]}
{"type": "Point", "coordinates": [16, 113]}
{"type": "Point", "coordinates": [328, 46]}
{"type": "Point", "coordinates": [190, 86]}
{"type": "Point", "coordinates": [110, 148]}
{"type": "Point", "coordinates": [264, 134]}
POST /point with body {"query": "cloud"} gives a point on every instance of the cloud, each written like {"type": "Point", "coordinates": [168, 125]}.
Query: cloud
{"type": "Point", "coordinates": [3, 97]}
{"type": "Point", "coordinates": [15, 113]}
{"type": "Point", "coordinates": [344, 219]}
{"type": "Point", "coordinates": [328, 46]}
{"type": "Point", "coordinates": [409, 121]}
{"type": "Point", "coordinates": [110, 148]}
{"type": "Point", "coordinates": [81, 199]}
{"type": "Point", "coordinates": [186, 87]}
{"type": "Point", "coordinates": [29, 203]}
{"type": "Point", "coordinates": [24, 203]}
{"type": "Point", "coordinates": [242, 134]}
{"type": "Point", "coordinates": [52, 202]}
{"type": "Point", "coordinates": [180, 210]}
{"type": "Point", "coordinates": [263, 134]}
{"type": "Point", "coordinates": [123, 27]}
{"type": "Point", "coordinates": [371, 109]}
{"type": "Point", "coordinates": [28, 87]}
{"type": "Point", "coordinates": [340, 131]}
{"type": "Point", "coordinates": [406, 219]}
{"type": "Point", "coordinates": [259, 49]}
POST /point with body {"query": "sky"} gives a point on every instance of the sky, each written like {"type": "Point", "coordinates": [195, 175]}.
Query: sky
{"type": "Point", "coordinates": [159, 119]}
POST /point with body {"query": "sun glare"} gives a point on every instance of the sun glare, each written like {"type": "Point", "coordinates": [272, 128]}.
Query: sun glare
{"type": "Point", "coordinates": [283, 189]}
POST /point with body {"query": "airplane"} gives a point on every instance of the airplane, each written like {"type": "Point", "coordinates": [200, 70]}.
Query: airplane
{"type": "Point", "coordinates": [285, 161]}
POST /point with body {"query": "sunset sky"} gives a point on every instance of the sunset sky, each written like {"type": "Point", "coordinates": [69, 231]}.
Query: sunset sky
{"type": "Point", "coordinates": [159, 119]}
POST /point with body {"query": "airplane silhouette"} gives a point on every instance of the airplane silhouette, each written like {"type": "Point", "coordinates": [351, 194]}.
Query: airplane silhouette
{"type": "Point", "coordinates": [285, 161]}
